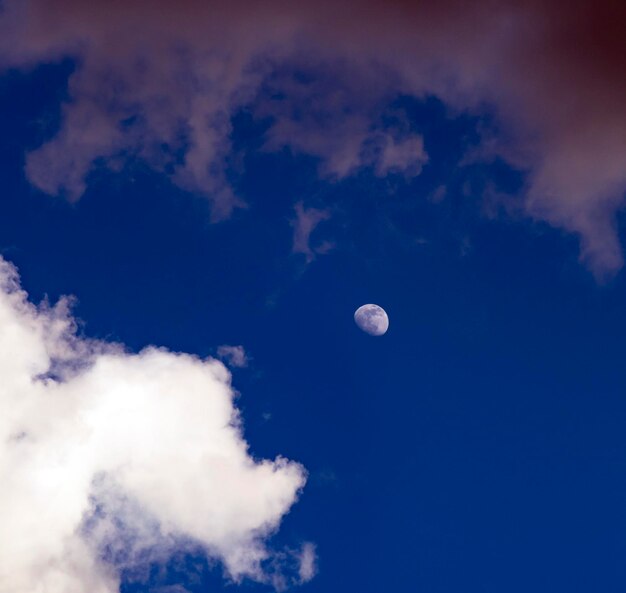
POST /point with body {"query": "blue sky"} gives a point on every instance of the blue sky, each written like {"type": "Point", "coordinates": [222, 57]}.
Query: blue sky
{"type": "Point", "coordinates": [478, 446]}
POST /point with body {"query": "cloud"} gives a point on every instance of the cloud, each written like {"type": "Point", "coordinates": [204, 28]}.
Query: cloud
{"type": "Point", "coordinates": [234, 356]}
{"type": "Point", "coordinates": [303, 562]}
{"type": "Point", "coordinates": [334, 115]}
{"type": "Point", "coordinates": [110, 459]}
{"type": "Point", "coordinates": [406, 156]}
{"type": "Point", "coordinates": [305, 222]}
{"type": "Point", "coordinates": [159, 81]}
{"type": "Point", "coordinates": [308, 562]}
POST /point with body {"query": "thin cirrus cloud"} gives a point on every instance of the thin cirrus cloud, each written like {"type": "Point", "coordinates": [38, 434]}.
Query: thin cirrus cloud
{"type": "Point", "coordinates": [111, 459]}
{"type": "Point", "coordinates": [155, 73]}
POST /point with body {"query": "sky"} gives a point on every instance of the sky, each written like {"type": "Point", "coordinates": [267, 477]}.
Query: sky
{"type": "Point", "coordinates": [196, 197]}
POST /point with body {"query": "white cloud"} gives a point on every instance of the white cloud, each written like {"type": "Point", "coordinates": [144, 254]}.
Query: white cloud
{"type": "Point", "coordinates": [105, 455]}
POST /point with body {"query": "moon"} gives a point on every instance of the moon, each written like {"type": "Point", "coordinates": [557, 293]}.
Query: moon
{"type": "Point", "coordinates": [372, 319]}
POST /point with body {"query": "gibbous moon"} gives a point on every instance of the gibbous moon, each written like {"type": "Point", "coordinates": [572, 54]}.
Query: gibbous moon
{"type": "Point", "coordinates": [372, 319]}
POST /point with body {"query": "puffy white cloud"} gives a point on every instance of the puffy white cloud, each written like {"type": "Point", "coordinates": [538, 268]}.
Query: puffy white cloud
{"type": "Point", "coordinates": [108, 456]}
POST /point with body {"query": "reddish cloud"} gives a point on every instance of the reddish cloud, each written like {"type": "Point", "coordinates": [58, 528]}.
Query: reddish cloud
{"type": "Point", "coordinates": [155, 73]}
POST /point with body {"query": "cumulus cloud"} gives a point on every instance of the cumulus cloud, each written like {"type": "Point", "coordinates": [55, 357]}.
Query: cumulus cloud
{"type": "Point", "coordinates": [109, 458]}
{"type": "Point", "coordinates": [234, 356]}
{"type": "Point", "coordinates": [160, 80]}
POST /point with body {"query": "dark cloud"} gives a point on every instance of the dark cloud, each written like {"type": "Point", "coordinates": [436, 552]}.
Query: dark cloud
{"type": "Point", "coordinates": [160, 80]}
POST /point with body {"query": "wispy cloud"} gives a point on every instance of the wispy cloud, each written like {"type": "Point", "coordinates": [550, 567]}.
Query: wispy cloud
{"type": "Point", "coordinates": [233, 356]}
{"type": "Point", "coordinates": [160, 80]}
{"type": "Point", "coordinates": [308, 562]}
{"type": "Point", "coordinates": [305, 222]}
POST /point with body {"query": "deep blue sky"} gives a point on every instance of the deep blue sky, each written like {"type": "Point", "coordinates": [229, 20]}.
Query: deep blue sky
{"type": "Point", "coordinates": [479, 446]}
